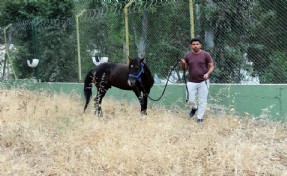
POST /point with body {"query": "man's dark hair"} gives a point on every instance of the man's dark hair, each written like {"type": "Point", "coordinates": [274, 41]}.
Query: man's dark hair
{"type": "Point", "coordinates": [195, 40]}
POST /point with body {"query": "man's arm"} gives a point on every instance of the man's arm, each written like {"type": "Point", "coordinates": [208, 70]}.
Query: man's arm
{"type": "Point", "coordinates": [210, 70]}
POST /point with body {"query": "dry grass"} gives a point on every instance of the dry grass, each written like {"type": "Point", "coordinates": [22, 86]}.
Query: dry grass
{"type": "Point", "coordinates": [47, 134]}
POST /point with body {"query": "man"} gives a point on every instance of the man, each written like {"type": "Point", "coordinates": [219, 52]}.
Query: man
{"type": "Point", "coordinates": [200, 66]}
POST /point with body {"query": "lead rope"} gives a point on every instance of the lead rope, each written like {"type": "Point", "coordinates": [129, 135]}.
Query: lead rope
{"type": "Point", "coordinates": [187, 92]}
{"type": "Point", "coordinates": [173, 67]}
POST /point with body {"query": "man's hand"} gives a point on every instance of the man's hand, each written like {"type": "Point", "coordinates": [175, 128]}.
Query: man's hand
{"type": "Point", "coordinates": [206, 76]}
{"type": "Point", "coordinates": [183, 64]}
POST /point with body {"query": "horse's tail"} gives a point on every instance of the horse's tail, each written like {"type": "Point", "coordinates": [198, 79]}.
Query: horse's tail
{"type": "Point", "coordinates": [88, 88]}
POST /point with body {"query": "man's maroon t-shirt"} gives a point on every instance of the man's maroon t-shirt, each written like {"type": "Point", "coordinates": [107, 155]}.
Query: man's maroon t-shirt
{"type": "Point", "coordinates": [198, 65]}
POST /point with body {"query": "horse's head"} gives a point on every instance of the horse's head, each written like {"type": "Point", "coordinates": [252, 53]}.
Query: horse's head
{"type": "Point", "coordinates": [136, 69]}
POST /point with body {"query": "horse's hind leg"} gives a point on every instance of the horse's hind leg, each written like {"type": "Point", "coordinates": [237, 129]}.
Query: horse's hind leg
{"type": "Point", "coordinates": [98, 109]}
{"type": "Point", "coordinates": [100, 95]}
{"type": "Point", "coordinates": [98, 102]}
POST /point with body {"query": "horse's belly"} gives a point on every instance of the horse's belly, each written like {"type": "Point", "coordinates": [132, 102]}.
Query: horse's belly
{"type": "Point", "coordinates": [124, 87]}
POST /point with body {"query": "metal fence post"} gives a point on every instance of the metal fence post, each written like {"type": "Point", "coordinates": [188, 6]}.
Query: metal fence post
{"type": "Point", "coordinates": [78, 44]}
{"type": "Point", "coordinates": [191, 13]}
{"type": "Point", "coordinates": [7, 52]}
{"type": "Point", "coordinates": [127, 29]}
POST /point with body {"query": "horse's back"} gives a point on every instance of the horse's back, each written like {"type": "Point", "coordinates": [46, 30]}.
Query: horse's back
{"type": "Point", "coordinates": [116, 73]}
{"type": "Point", "coordinates": [119, 76]}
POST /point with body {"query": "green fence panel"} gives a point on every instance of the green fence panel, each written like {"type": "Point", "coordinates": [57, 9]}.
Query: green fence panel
{"type": "Point", "coordinates": [243, 100]}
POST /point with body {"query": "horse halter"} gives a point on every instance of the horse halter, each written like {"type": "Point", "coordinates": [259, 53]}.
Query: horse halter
{"type": "Point", "coordinates": [138, 76]}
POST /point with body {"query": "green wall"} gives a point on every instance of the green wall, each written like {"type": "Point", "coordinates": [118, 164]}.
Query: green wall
{"type": "Point", "coordinates": [243, 100]}
{"type": "Point", "coordinates": [256, 100]}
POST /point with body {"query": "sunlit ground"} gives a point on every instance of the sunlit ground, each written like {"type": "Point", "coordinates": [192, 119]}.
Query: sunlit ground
{"type": "Point", "coordinates": [48, 134]}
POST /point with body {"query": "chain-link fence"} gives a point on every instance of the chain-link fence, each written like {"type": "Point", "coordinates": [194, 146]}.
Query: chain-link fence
{"type": "Point", "coordinates": [247, 39]}
{"type": "Point", "coordinates": [155, 33]}
{"type": "Point", "coordinates": [43, 40]}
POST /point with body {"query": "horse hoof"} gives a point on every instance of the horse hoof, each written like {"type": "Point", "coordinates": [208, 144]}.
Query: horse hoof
{"type": "Point", "coordinates": [144, 113]}
{"type": "Point", "coordinates": [99, 114]}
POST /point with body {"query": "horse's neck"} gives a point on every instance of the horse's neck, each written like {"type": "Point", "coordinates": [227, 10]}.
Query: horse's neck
{"type": "Point", "coordinates": [146, 70]}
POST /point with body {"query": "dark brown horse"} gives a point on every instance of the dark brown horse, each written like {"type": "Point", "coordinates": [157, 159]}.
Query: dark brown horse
{"type": "Point", "coordinates": [134, 76]}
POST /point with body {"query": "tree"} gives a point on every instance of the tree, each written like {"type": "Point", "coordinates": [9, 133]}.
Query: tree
{"type": "Point", "coordinates": [228, 20]}
{"type": "Point", "coordinates": [164, 34]}
{"type": "Point", "coordinates": [268, 40]}
{"type": "Point", "coordinates": [34, 38]}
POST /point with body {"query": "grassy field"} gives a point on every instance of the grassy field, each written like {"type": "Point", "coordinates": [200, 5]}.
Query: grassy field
{"type": "Point", "coordinates": [48, 134]}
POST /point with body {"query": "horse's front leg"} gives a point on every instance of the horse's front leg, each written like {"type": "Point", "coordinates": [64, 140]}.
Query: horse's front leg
{"type": "Point", "coordinates": [143, 101]}
{"type": "Point", "coordinates": [144, 105]}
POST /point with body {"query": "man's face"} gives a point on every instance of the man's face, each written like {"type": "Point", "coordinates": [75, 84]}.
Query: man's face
{"type": "Point", "coordinates": [195, 46]}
